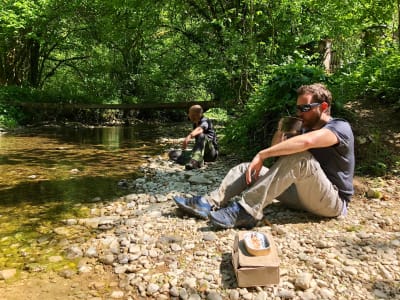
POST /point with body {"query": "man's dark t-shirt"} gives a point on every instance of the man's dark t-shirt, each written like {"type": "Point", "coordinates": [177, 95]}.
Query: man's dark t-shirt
{"type": "Point", "coordinates": [338, 160]}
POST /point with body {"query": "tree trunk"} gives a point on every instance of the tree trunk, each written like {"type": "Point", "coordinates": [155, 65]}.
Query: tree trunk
{"type": "Point", "coordinates": [34, 55]}
{"type": "Point", "coordinates": [325, 48]}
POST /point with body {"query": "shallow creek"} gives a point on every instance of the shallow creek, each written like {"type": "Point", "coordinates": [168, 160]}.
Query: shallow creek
{"type": "Point", "coordinates": [51, 174]}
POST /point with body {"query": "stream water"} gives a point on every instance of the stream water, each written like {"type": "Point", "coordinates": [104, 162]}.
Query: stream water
{"type": "Point", "coordinates": [51, 174]}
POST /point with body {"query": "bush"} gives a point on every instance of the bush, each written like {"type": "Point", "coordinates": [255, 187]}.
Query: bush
{"type": "Point", "coordinates": [376, 78]}
{"type": "Point", "coordinates": [384, 80]}
{"type": "Point", "coordinates": [253, 129]}
{"type": "Point", "coordinates": [11, 116]}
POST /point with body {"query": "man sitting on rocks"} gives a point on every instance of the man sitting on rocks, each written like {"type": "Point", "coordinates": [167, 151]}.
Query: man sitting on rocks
{"type": "Point", "coordinates": [314, 171]}
{"type": "Point", "coordinates": [205, 147]}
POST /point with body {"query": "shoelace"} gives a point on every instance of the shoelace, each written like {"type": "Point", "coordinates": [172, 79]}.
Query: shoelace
{"type": "Point", "coordinates": [232, 212]}
{"type": "Point", "coordinates": [196, 200]}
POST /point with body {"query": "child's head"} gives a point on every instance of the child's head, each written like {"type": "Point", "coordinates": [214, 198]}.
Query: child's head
{"type": "Point", "coordinates": [195, 113]}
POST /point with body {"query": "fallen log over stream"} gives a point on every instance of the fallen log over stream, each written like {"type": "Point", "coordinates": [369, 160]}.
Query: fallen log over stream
{"type": "Point", "coordinates": [137, 106]}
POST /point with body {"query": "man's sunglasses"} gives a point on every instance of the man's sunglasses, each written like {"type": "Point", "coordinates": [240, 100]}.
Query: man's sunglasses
{"type": "Point", "coordinates": [307, 107]}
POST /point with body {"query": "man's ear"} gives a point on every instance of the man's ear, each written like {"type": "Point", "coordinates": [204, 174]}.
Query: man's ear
{"type": "Point", "coordinates": [324, 105]}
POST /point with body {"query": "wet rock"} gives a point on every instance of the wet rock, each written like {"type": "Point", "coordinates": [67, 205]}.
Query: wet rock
{"type": "Point", "coordinates": [62, 231]}
{"type": "Point", "coordinates": [71, 222]}
{"type": "Point", "coordinates": [55, 259]}
{"type": "Point", "coordinates": [66, 273]}
{"type": "Point", "coordinates": [7, 274]}
{"type": "Point", "coordinates": [198, 179]}
{"type": "Point", "coordinates": [73, 252]}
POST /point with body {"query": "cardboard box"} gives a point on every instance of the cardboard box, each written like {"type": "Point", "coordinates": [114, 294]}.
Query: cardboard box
{"type": "Point", "coordinates": [255, 270]}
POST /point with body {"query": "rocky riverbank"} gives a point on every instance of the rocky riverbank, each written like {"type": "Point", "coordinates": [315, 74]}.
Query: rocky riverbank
{"type": "Point", "coordinates": [143, 248]}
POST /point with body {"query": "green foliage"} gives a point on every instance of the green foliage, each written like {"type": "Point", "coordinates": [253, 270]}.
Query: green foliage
{"type": "Point", "coordinates": [177, 50]}
{"type": "Point", "coordinates": [383, 74]}
{"type": "Point", "coordinates": [10, 115]}
{"type": "Point", "coordinates": [375, 78]}
{"type": "Point", "coordinates": [220, 115]}
{"type": "Point", "coordinates": [253, 128]}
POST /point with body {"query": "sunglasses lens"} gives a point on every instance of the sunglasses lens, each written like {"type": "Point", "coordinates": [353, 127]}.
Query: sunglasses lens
{"type": "Point", "coordinates": [307, 107]}
{"type": "Point", "coordinates": [304, 108]}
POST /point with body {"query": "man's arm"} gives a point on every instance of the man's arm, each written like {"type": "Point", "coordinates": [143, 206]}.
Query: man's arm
{"type": "Point", "coordinates": [198, 130]}
{"type": "Point", "coordinates": [320, 138]}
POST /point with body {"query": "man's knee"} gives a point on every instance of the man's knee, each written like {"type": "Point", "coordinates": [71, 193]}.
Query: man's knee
{"type": "Point", "coordinates": [303, 158]}
{"type": "Point", "coordinates": [242, 166]}
{"type": "Point", "coordinates": [200, 137]}
{"type": "Point", "coordinates": [298, 156]}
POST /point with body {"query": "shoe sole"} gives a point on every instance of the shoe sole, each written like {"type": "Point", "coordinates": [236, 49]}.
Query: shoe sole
{"type": "Point", "coordinates": [218, 224]}
{"type": "Point", "coordinates": [192, 168]}
{"type": "Point", "coordinates": [224, 226]}
{"type": "Point", "coordinates": [190, 211]}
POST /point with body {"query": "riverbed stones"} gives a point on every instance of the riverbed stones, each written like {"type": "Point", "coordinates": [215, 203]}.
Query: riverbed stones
{"type": "Point", "coordinates": [160, 253]}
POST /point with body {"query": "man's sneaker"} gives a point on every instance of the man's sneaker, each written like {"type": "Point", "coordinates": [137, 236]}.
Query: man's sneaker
{"type": "Point", "coordinates": [232, 216]}
{"type": "Point", "coordinates": [193, 164]}
{"type": "Point", "coordinates": [196, 206]}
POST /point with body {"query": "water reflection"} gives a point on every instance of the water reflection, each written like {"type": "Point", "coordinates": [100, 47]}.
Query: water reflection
{"type": "Point", "coordinates": [50, 174]}
{"type": "Point", "coordinates": [72, 164]}
{"type": "Point", "coordinates": [109, 138]}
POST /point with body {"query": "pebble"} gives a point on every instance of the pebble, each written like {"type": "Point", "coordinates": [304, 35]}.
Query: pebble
{"type": "Point", "coordinates": [7, 274]}
{"type": "Point", "coordinates": [117, 295]}
{"type": "Point", "coordinates": [303, 281]}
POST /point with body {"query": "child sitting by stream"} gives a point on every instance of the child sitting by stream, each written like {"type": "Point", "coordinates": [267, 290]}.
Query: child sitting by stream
{"type": "Point", "coordinates": [205, 148]}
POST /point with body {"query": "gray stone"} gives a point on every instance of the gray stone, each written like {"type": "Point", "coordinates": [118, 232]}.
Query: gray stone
{"type": "Point", "coordinates": [198, 179]}
{"type": "Point", "coordinates": [74, 252]}
{"type": "Point", "coordinates": [152, 288]}
{"type": "Point", "coordinates": [209, 236]}
{"type": "Point", "coordinates": [183, 294]}
{"type": "Point", "coordinates": [234, 295]}
{"type": "Point", "coordinates": [174, 291]}
{"type": "Point", "coordinates": [91, 252]}
{"type": "Point", "coordinates": [303, 280]}
{"type": "Point", "coordinates": [286, 294]}
{"type": "Point", "coordinates": [117, 295]}
{"type": "Point", "coordinates": [107, 259]}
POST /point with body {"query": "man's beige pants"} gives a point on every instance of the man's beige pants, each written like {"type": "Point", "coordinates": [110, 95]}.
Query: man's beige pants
{"type": "Point", "coordinates": [296, 180]}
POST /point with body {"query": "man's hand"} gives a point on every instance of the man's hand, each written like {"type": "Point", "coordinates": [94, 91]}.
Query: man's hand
{"type": "Point", "coordinates": [186, 141]}
{"type": "Point", "coordinates": [253, 171]}
{"type": "Point", "coordinates": [195, 132]}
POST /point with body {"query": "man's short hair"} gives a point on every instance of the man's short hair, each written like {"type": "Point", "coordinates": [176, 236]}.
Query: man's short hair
{"type": "Point", "coordinates": [319, 92]}
{"type": "Point", "coordinates": [197, 109]}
